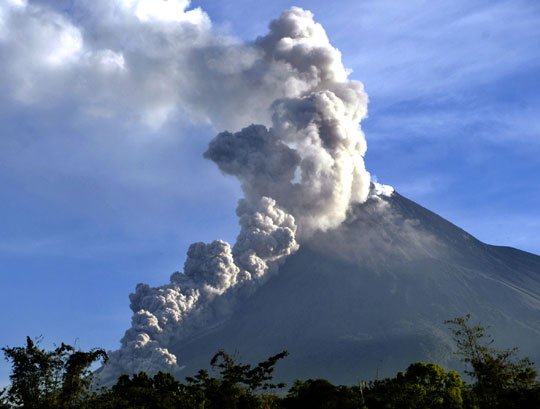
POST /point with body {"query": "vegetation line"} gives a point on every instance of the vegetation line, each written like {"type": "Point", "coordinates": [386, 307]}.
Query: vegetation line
{"type": "Point", "coordinates": [61, 379]}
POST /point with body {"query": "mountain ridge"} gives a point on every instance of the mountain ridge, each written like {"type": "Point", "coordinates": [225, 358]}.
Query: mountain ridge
{"type": "Point", "coordinates": [371, 296]}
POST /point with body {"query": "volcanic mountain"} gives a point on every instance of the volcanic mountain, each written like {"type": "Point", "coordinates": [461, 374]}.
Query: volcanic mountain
{"type": "Point", "coordinates": [353, 280]}
{"type": "Point", "coordinates": [368, 298]}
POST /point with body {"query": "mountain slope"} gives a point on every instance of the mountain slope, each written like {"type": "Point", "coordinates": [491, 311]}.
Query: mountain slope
{"type": "Point", "coordinates": [368, 298]}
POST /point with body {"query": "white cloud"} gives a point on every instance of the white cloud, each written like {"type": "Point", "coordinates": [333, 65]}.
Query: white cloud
{"type": "Point", "coordinates": [151, 61]}
{"type": "Point", "coordinates": [404, 50]}
{"type": "Point", "coordinates": [164, 11]}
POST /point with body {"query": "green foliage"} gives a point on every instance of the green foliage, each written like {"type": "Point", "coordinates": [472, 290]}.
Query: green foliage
{"type": "Point", "coordinates": [321, 394]}
{"type": "Point", "coordinates": [76, 378]}
{"type": "Point", "coordinates": [3, 403]}
{"type": "Point", "coordinates": [421, 386]}
{"type": "Point", "coordinates": [60, 379]}
{"type": "Point", "coordinates": [236, 385]}
{"type": "Point", "coordinates": [254, 378]}
{"type": "Point", "coordinates": [143, 392]}
{"type": "Point", "coordinates": [502, 379]}
{"type": "Point", "coordinates": [49, 379]}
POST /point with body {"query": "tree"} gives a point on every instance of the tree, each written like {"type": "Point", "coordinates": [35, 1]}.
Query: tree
{"type": "Point", "coordinates": [3, 403]}
{"type": "Point", "coordinates": [140, 391]}
{"type": "Point", "coordinates": [321, 394]}
{"type": "Point", "coordinates": [422, 385]}
{"type": "Point", "coordinates": [439, 388]}
{"type": "Point", "coordinates": [76, 376]}
{"type": "Point", "coordinates": [254, 378]}
{"type": "Point", "coordinates": [236, 385]}
{"type": "Point", "coordinates": [47, 379]}
{"type": "Point", "coordinates": [499, 373]}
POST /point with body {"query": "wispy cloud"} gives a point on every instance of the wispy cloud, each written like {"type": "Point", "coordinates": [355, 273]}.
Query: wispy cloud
{"type": "Point", "coordinates": [416, 47]}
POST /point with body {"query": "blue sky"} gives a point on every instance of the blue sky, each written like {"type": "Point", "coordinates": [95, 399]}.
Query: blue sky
{"type": "Point", "coordinates": [93, 204]}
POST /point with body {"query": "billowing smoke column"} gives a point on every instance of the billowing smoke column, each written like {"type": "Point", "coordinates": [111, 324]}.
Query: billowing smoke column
{"type": "Point", "coordinates": [148, 61]}
{"type": "Point", "coordinates": [299, 175]}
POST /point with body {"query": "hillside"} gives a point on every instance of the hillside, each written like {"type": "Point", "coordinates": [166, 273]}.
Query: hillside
{"type": "Point", "coordinates": [366, 299]}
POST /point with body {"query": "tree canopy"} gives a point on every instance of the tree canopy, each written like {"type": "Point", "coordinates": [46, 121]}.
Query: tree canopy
{"type": "Point", "coordinates": [49, 379]}
{"type": "Point", "coordinates": [61, 379]}
{"type": "Point", "coordinates": [502, 378]}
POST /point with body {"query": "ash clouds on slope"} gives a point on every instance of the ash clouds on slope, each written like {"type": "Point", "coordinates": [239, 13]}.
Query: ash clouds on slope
{"type": "Point", "coordinates": [149, 60]}
{"type": "Point", "coordinates": [302, 173]}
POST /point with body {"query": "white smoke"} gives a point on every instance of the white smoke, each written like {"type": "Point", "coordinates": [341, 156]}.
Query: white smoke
{"type": "Point", "coordinates": [154, 60]}
{"type": "Point", "coordinates": [214, 274]}
{"type": "Point", "coordinates": [379, 190]}
{"type": "Point", "coordinates": [150, 60]}
{"type": "Point", "coordinates": [312, 158]}
{"type": "Point", "coordinates": [309, 163]}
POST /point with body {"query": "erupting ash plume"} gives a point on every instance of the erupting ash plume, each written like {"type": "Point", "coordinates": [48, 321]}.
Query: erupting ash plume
{"type": "Point", "coordinates": [300, 170]}
{"type": "Point", "coordinates": [214, 276]}
{"type": "Point", "coordinates": [302, 173]}
{"type": "Point", "coordinates": [299, 175]}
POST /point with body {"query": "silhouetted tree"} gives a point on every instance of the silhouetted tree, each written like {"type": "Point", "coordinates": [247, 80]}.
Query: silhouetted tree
{"type": "Point", "coordinates": [237, 384]}
{"type": "Point", "coordinates": [321, 394]}
{"type": "Point", "coordinates": [76, 376]}
{"type": "Point", "coordinates": [49, 379]}
{"type": "Point", "coordinates": [501, 377]}
{"type": "Point", "coordinates": [60, 379]}
{"type": "Point", "coordinates": [163, 391]}
{"type": "Point", "coordinates": [3, 400]}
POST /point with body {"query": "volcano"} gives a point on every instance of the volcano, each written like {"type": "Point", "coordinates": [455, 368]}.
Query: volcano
{"type": "Point", "coordinates": [366, 299]}
{"type": "Point", "coordinates": [354, 280]}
